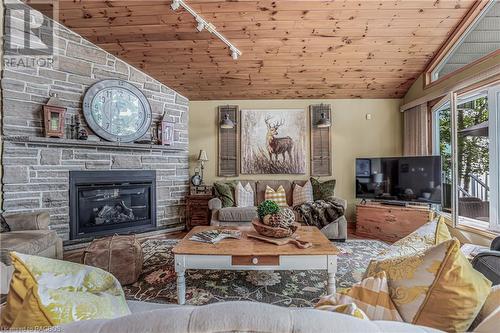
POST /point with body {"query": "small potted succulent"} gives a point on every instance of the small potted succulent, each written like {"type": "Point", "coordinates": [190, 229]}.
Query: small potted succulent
{"type": "Point", "coordinates": [274, 221]}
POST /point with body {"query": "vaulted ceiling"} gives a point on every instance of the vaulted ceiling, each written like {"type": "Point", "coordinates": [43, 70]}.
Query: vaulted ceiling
{"type": "Point", "coordinates": [291, 49]}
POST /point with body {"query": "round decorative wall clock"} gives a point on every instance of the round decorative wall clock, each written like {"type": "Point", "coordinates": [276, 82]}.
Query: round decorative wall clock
{"type": "Point", "coordinates": [117, 111]}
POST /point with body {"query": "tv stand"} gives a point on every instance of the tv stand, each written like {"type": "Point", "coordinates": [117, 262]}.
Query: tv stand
{"type": "Point", "coordinates": [388, 222]}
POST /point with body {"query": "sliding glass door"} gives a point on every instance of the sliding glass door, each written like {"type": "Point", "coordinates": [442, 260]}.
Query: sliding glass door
{"type": "Point", "coordinates": [472, 183]}
{"type": "Point", "coordinates": [466, 135]}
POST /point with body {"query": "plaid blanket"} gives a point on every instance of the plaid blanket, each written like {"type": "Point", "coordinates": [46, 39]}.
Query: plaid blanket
{"type": "Point", "coordinates": [320, 212]}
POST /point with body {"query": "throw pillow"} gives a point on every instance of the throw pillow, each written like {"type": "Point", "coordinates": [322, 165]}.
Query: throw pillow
{"type": "Point", "coordinates": [432, 233]}
{"type": "Point", "coordinates": [436, 288]}
{"type": "Point", "coordinates": [350, 309]}
{"type": "Point", "coordinates": [322, 191]}
{"type": "Point", "coordinates": [224, 191]}
{"type": "Point", "coordinates": [491, 304]}
{"type": "Point", "coordinates": [370, 295]}
{"type": "Point", "coordinates": [4, 227]}
{"type": "Point", "coordinates": [278, 196]}
{"type": "Point", "coordinates": [302, 194]}
{"type": "Point", "coordinates": [244, 195]}
{"type": "Point", "coordinates": [48, 292]}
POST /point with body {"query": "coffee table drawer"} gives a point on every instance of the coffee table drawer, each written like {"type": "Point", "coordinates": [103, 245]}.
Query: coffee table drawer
{"type": "Point", "coordinates": [255, 260]}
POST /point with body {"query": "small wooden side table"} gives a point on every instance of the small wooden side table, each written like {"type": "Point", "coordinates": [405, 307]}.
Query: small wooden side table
{"type": "Point", "coordinates": [197, 212]}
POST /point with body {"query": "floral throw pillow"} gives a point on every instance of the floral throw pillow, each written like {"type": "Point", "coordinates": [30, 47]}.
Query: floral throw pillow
{"type": "Point", "coordinates": [49, 292]}
{"type": "Point", "coordinates": [438, 287]}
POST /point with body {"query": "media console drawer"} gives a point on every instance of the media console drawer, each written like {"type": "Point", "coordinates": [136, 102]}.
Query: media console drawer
{"type": "Point", "coordinates": [389, 223]}
{"type": "Point", "coordinates": [255, 260]}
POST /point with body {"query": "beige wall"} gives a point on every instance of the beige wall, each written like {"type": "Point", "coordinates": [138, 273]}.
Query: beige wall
{"type": "Point", "coordinates": [1, 106]}
{"type": "Point", "coordinates": [352, 135]}
{"type": "Point", "coordinates": [417, 89]}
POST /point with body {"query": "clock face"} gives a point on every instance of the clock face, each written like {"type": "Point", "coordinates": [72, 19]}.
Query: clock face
{"type": "Point", "coordinates": [117, 111]}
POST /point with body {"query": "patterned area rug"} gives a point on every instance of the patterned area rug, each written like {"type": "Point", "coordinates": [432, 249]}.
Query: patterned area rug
{"type": "Point", "coordinates": [295, 288]}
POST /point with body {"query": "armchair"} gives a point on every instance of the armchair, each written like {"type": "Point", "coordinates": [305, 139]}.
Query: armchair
{"type": "Point", "coordinates": [29, 233]}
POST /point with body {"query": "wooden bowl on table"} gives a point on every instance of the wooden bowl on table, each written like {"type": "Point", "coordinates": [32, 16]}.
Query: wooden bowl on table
{"type": "Point", "coordinates": [275, 232]}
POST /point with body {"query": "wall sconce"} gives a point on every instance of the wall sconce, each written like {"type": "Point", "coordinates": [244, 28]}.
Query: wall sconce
{"type": "Point", "coordinates": [323, 122]}
{"type": "Point", "coordinates": [227, 122]}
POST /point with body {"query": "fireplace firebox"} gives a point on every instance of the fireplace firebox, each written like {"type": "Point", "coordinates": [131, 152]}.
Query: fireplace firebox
{"type": "Point", "coordinates": [108, 202]}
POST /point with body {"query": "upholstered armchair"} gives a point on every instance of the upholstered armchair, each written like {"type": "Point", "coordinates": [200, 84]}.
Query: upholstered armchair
{"type": "Point", "coordinates": [29, 234]}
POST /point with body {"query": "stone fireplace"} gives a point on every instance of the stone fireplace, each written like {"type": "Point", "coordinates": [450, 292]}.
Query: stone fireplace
{"type": "Point", "coordinates": [37, 171]}
{"type": "Point", "coordinates": [109, 202]}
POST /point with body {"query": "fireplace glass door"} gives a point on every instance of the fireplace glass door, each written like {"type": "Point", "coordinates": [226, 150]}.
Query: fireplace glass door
{"type": "Point", "coordinates": [112, 206]}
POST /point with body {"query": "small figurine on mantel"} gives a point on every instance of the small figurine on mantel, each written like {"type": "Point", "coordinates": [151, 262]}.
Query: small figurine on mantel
{"type": "Point", "coordinates": [53, 117]}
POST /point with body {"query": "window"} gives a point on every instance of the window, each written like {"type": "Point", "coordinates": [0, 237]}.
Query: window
{"type": "Point", "coordinates": [477, 37]}
{"type": "Point", "coordinates": [466, 135]}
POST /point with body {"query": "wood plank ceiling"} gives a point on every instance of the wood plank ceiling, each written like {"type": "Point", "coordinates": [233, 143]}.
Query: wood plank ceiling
{"type": "Point", "coordinates": [291, 49]}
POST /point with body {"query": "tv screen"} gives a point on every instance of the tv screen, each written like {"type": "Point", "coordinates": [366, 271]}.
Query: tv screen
{"type": "Point", "coordinates": [413, 178]}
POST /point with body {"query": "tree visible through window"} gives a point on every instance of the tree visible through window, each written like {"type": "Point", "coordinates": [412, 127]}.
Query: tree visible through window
{"type": "Point", "coordinates": [472, 158]}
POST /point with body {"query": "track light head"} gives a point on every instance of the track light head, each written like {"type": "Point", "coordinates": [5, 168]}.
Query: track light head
{"type": "Point", "coordinates": [175, 4]}
{"type": "Point", "coordinates": [201, 24]}
{"type": "Point", "coordinates": [234, 54]}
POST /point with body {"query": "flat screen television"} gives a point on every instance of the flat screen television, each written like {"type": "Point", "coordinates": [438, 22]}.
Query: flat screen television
{"type": "Point", "coordinates": [408, 179]}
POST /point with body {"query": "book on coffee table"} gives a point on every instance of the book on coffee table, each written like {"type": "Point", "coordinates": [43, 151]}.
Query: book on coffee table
{"type": "Point", "coordinates": [215, 236]}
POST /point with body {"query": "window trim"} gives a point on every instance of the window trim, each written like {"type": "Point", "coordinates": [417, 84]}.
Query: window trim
{"type": "Point", "coordinates": [455, 40]}
{"type": "Point", "coordinates": [492, 90]}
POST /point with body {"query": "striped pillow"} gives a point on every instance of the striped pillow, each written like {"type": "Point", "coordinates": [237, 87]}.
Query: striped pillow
{"type": "Point", "coordinates": [302, 194]}
{"type": "Point", "coordinates": [244, 195]}
{"type": "Point", "coordinates": [350, 309]}
{"type": "Point", "coordinates": [278, 196]}
{"type": "Point", "coordinates": [370, 295]}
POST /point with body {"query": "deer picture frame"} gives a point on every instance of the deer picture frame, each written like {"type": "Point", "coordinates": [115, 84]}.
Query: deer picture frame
{"type": "Point", "coordinates": [273, 141]}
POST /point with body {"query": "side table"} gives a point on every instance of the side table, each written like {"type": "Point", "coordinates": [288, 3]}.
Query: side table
{"type": "Point", "coordinates": [197, 212]}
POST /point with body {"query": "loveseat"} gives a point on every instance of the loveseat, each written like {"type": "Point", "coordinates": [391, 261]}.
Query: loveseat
{"type": "Point", "coordinates": [241, 216]}
{"type": "Point", "coordinates": [29, 234]}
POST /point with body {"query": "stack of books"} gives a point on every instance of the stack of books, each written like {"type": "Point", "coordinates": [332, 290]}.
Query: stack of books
{"type": "Point", "coordinates": [215, 236]}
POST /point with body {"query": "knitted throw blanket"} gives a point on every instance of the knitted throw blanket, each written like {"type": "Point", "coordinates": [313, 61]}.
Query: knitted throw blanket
{"type": "Point", "coordinates": [320, 212]}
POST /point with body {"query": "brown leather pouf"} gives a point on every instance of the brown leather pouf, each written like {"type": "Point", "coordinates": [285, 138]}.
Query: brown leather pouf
{"type": "Point", "coordinates": [119, 255]}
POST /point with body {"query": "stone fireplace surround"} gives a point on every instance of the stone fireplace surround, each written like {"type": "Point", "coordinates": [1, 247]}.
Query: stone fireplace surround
{"type": "Point", "coordinates": [36, 169]}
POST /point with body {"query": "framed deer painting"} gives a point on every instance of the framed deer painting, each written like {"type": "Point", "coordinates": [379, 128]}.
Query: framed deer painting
{"type": "Point", "coordinates": [273, 141]}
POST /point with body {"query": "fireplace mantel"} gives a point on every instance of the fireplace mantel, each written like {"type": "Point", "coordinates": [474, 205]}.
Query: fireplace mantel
{"type": "Point", "coordinates": [89, 143]}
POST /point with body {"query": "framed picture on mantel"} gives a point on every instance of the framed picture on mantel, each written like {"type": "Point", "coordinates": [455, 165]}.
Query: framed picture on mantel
{"type": "Point", "coordinates": [166, 134]}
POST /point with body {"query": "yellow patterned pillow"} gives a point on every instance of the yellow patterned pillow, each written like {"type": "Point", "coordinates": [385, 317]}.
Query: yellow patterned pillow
{"type": "Point", "coordinates": [436, 288]}
{"type": "Point", "coordinates": [370, 295]}
{"type": "Point", "coordinates": [278, 196]}
{"type": "Point", "coordinates": [350, 309]}
{"type": "Point", "coordinates": [47, 292]}
{"type": "Point", "coordinates": [428, 235]}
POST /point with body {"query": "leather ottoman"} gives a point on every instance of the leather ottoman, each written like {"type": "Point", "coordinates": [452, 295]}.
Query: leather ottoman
{"type": "Point", "coordinates": [119, 255]}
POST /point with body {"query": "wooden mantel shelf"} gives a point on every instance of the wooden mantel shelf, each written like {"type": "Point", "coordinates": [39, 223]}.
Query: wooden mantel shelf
{"type": "Point", "coordinates": [89, 143]}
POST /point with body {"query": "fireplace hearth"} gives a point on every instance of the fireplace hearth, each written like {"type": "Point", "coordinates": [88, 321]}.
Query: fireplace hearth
{"type": "Point", "coordinates": [111, 202]}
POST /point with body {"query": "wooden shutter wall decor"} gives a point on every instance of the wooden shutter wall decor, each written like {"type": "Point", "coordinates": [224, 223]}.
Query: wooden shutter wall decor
{"type": "Point", "coordinates": [321, 161]}
{"type": "Point", "coordinates": [228, 159]}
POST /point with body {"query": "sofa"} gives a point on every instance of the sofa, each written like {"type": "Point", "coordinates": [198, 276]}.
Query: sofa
{"type": "Point", "coordinates": [241, 216]}
{"type": "Point", "coordinates": [234, 317]}
{"type": "Point", "coordinates": [29, 233]}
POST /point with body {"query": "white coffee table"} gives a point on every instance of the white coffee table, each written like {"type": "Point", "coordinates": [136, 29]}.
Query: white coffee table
{"type": "Point", "coordinates": [251, 254]}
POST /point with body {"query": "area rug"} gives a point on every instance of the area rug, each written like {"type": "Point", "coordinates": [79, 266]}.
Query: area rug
{"type": "Point", "coordinates": [285, 288]}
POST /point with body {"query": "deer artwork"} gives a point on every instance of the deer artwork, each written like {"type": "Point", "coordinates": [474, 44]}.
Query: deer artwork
{"type": "Point", "coordinates": [277, 146]}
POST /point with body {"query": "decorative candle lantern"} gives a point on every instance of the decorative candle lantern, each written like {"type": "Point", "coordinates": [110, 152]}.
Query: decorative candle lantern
{"type": "Point", "coordinates": [53, 116]}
